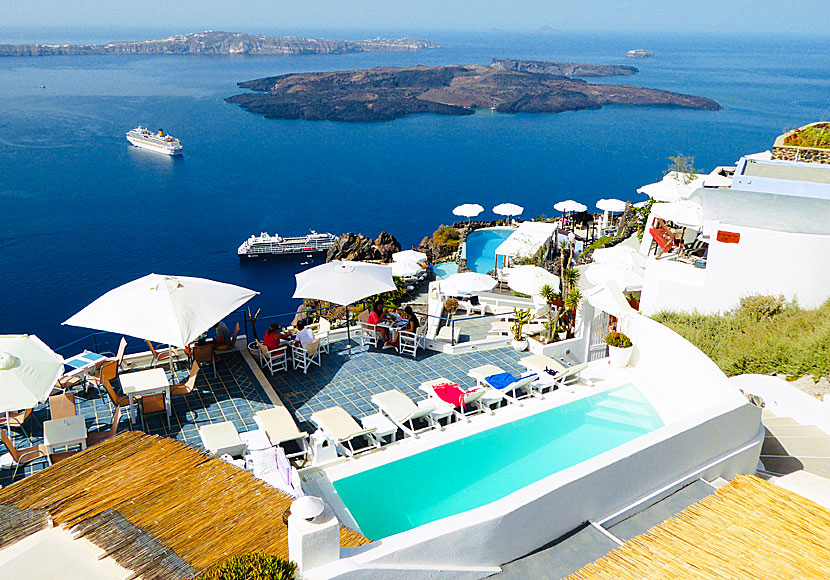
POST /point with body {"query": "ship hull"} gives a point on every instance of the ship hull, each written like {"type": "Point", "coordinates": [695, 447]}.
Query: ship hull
{"type": "Point", "coordinates": [153, 147]}
{"type": "Point", "coordinates": [265, 256]}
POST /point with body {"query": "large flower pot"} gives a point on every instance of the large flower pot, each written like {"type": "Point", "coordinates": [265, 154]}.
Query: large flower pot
{"type": "Point", "coordinates": [619, 356]}
{"type": "Point", "coordinates": [518, 345]}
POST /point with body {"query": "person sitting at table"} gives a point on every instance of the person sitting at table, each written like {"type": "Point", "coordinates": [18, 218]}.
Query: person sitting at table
{"type": "Point", "coordinates": [274, 337]}
{"type": "Point", "coordinates": [411, 325]}
{"type": "Point", "coordinates": [223, 335]}
{"type": "Point", "coordinates": [376, 316]}
{"type": "Point", "coordinates": [305, 335]}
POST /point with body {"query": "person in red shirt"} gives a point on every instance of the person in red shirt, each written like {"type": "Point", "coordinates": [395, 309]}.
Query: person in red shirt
{"type": "Point", "coordinates": [273, 338]}
{"type": "Point", "coordinates": [379, 315]}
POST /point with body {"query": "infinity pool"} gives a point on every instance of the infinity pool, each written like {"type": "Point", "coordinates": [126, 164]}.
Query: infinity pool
{"type": "Point", "coordinates": [445, 269]}
{"type": "Point", "coordinates": [479, 469]}
{"type": "Point", "coordinates": [480, 248]}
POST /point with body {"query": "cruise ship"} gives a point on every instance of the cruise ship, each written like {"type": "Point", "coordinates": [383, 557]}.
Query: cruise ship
{"type": "Point", "coordinates": [265, 245]}
{"type": "Point", "coordinates": [159, 142]}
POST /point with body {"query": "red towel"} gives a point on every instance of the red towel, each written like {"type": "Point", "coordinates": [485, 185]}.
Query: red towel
{"type": "Point", "coordinates": [452, 394]}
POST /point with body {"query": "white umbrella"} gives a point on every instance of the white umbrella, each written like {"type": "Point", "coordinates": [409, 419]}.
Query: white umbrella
{"type": "Point", "coordinates": [530, 279]}
{"type": "Point", "coordinates": [569, 205]}
{"type": "Point", "coordinates": [405, 269]}
{"type": "Point", "coordinates": [344, 283]}
{"type": "Point", "coordinates": [625, 278]}
{"type": "Point", "coordinates": [409, 256]}
{"type": "Point", "coordinates": [640, 204]}
{"type": "Point", "coordinates": [619, 256]}
{"type": "Point", "coordinates": [470, 282]}
{"type": "Point", "coordinates": [612, 205]}
{"type": "Point", "coordinates": [28, 371]}
{"type": "Point", "coordinates": [173, 310]}
{"type": "Point", "coordinates": [508, 209]}
{"type": "Point", "coordinates": [672, 187]}
{"type": "Point", "coordinates": [683, 213]}
{"type": "Point", "coordinates": [468, 210]}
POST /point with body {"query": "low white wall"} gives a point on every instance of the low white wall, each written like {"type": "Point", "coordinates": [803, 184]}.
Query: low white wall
{"type": "Point", "coordinates": [763, 262]}
{"type": "Point", "coordinates": [711, 431]}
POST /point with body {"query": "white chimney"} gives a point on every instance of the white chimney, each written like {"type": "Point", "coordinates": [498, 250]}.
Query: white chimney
{"type": "Point", "coordinates": [313, 533]}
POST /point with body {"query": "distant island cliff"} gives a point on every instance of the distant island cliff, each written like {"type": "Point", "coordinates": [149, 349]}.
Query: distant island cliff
{"type": "Point", "coordinates": [217, 42]}
{"type": "Point", "coordinates": [508, 86]}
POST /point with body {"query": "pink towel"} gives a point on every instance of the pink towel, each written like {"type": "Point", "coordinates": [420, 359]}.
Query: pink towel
{"type": "Point", "coordinates": [452, 394]}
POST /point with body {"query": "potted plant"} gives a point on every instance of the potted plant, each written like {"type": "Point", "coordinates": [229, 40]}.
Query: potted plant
{"type": "Point", "coordinates": [451, 305]}
{"type": "Point", "coordinates": [523, 316]}
{"type": "Point", "coordinates": [562, 333]}
{"type": "Point", "coordinates": [619, 349]}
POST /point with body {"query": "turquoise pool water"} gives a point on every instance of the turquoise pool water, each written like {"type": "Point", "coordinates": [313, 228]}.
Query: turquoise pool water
{"type": "Point", "coordinates": [487, 466]}
{"type": "Point", "coordinates": [445, 269]}
{"type": "Point", "coordinates": [480, 248]}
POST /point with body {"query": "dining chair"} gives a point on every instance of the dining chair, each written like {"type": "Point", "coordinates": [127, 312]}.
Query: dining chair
{"type": "Point", "coordinates": [16, 419]}
{"type": "Point", "coordinates": [203, 354]}
{"type": "Point", "coordinates": [161, 355]}
{"type": "Point", "coordinates": [98, 437]}
{"type": "Point", "coordinates": [273, 360]}
{"type": "Point", "coordinates": [61, 406]}
{"type": "Point", "coordinates": [21, 456]}
{"type": "Point", "coordinates": [305, 356]}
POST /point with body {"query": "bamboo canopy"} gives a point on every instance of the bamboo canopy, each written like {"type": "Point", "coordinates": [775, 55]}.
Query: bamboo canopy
{"type": "Point", "coordinates": [160, 507]}
{"type": "Point", "coordinates": [746, 530]}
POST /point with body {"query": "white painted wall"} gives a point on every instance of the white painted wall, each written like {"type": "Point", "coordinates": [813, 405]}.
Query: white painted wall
{"type": "Point", "coordinates": [763, 262]}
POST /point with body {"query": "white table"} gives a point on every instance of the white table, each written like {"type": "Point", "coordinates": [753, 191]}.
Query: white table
{"type": "Point", "coordinates": [221, 438]}
{"type": "Point", "coordinates": [383, 427]}
{"type": "Point", "coordinates": [147, 382]}
{"type": "Point", "coordinates": [64, 432]}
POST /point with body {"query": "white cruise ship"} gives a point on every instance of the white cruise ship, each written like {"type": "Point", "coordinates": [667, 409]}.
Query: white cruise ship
{"type": "Point", "coordinates": [159, 142]}
{"type": "Point", "coordinates": [265, 245]}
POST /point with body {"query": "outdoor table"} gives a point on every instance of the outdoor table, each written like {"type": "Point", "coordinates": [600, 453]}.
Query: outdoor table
{"type": "Point", "coordinates": [383, 427]}
{"type": "Point", "coordinates": [64, 432]}
{"type": "Point", "coordinates": [147, 382]}
{"type": "Point", "coordinates": [443, 410]}
{"type": "Point", "coordinates": [83, 361]}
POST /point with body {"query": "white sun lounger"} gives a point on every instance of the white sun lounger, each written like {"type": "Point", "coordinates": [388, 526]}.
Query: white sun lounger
{"type": "Point", "coordinates": [280, 427]}
{"type": "Point", "coordinates": [403, 412]}
{"type": "Point", "coordinates": [480, 375]}
{"type": "Point", "coordinates": [342, 428]}
{"type": "Point", "coordinates": [539, 364]}
{"type": "Point", "coordinates": [472, 399]}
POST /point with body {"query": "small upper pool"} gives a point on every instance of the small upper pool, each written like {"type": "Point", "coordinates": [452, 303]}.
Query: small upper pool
{"type": "Point", "coordinates": [487, 466]}
{"type": "Point", "coordinates": [445, 269]}
{"type": "Point", "coordinates": [480, 248]}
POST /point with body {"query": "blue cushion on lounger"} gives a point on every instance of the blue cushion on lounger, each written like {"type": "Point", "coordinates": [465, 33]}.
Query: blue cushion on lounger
{"type": "Point", "coordinates": [501, 380]}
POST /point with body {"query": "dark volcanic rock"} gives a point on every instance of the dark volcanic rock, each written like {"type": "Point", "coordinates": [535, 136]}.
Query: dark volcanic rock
{"type": "Point", "coordinates": [386, 245]}
{"type": "Point", "coordinates": [385, 93]}
{"type": "Point", "coordinates": [357, 247]}
{"type": "Point", "coordinates": [217, 42]}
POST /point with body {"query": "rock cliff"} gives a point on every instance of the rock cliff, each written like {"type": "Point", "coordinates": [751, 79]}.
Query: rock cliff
{"type": "Point", "coordinates": [566, 69]}
{"type": "Point", "coordinates": [357, 247]}
{"type": "Point", "coordinates": [217, 42]}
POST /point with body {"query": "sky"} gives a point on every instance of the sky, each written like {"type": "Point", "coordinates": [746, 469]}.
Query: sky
{"type": "Point", "coordinates": [759, 16]}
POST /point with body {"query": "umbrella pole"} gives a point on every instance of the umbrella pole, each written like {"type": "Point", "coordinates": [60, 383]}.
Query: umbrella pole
{"type": "Point", "coordinates": [348, 332]}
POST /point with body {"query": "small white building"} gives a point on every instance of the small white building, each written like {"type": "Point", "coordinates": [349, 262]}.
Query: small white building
{"type": "Point", "coordinates": [769, 233]}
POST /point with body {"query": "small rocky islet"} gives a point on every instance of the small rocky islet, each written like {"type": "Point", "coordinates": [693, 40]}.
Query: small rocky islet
{"type": "Point", "coordinates": [506, 85]}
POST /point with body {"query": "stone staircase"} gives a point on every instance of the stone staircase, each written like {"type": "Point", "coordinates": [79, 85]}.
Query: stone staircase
{"type": "Point", "coordinates": [790, 446]}
{"type": "Point", "coordinates": [627, 409]}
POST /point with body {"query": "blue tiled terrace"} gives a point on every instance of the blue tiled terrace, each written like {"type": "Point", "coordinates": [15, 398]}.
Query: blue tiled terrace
{"type": "Point", "coordinates": [351, 382]}
{"type": "Point", "coordinates": [233, 394]}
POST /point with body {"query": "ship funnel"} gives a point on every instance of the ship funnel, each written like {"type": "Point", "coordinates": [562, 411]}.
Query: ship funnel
{"type": "Point", "coordinates": [161, 133]}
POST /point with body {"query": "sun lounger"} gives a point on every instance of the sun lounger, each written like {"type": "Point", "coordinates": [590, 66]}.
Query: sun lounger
{"type": "Point", "coordinates": [505, 387]}
{"type": "Point", "coordinates": [221, 438]}
{"type": "Point", "coordinates": [337, 424]}
{"type": "Point", "coordinates": [464, 403]}
{"type": "Point", "coordinates": [280, 427]}
{"type": "Point", "coordinates": [403, 412]}
{"type": "Point", "coordinates": [552, 373]}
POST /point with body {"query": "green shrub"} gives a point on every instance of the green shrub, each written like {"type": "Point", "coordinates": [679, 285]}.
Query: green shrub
{"type": "Point", "coordinates": [446, 236]}
{"type": "Point", "coordinates": [252, 567]}
{"type": "Point", "coordinates": [760, 337]}
{"type": "Point", "coordinates": [598, 243]}
{"type": "Point", "coordinates": [617, 339]}
{"type": "Point", "coordinates": [818, 137]}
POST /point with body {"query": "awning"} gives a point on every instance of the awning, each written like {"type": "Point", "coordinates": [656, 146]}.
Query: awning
{"type": "Point", "coordinates": [609, 298]}
{"type": "Point", "coordinates": [683, 213]}
{"type": "Point", "coordinates": [527, 239]}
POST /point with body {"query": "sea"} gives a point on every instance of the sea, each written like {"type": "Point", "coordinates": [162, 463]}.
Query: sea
{"type": "Point", "coordinates": [81, 211]}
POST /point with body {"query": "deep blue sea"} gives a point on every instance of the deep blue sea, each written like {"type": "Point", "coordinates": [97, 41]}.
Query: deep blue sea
{"type": "Point", "coordinates": [81, 211]}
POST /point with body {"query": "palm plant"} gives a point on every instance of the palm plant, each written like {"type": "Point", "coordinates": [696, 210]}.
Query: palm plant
{"type": "Point", "coordinates": [549, 295]}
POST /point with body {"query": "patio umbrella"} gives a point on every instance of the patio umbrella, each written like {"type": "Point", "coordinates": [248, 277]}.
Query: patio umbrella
{"type": "Point", "coordinates": [625, 278]}
{"type": "Point", "coordinates": [409, 256]}
{"type": "Point", "coordinates": [343, 283]}
{"type": "Point", "coordinates": [173, 310]}
{"type": "Point", "coordinates": [619, 256]}
{"type": "Point", "coordinates": [612, 205]}
{"type": "Point", "coordinates": [468, 210]}
{"type": "Point", "coordinates": [470, 282]}
{"type": "Point", "coordinates": [672, 187]}
{"type": "Point", "coordinates": [530, 279]}
{"type": "Point", "coordinates": [684, 213]}
{"type": "Point", "coordinates": [405, 269]}
{"type": "Point", "coordinates": [28, 371]}
{"type": "Point", "coordinates": [508, 209]}
{"type": "Point", "coordinates": [570, 205]}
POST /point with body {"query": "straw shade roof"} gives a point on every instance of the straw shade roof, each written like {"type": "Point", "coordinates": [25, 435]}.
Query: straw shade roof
{"type": "Point", "coordinates": [747, 530]}
{"type": "Point", "coordinates": [157, 506]}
